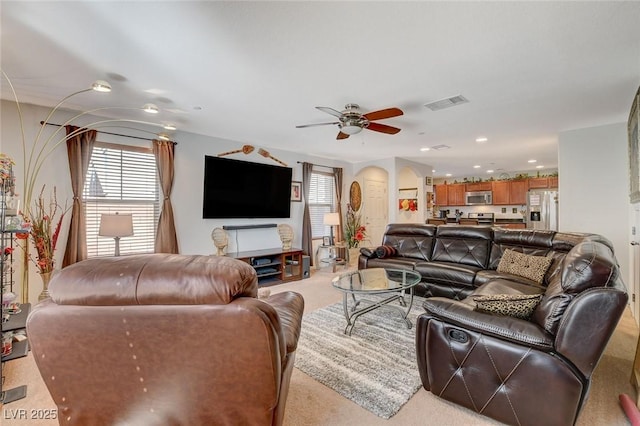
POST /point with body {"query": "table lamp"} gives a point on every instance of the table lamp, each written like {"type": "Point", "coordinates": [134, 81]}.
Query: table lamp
{"type": "Point", "coordinates": [331, 219]}
{"type": "Point", "coordinates": [116, 226]}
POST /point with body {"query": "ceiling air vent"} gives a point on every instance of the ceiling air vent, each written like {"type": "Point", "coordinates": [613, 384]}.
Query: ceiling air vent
{"type": "Point", "coordinates": [446, 103]}
{"type": "Point", "coordinates": [439, 147]}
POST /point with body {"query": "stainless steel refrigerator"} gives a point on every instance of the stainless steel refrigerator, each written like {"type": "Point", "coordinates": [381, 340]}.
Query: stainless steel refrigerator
{"type": "Point", "coordinates": [542, 209]}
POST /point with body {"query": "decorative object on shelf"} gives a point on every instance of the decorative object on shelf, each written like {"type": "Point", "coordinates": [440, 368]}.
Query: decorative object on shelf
{"type": "Point", "coordinates": [220, 240]}
{"type": "Point", "coordinates": [355, 196]}
{"type": "Point", "coordinates": [354, 232]}
{"type": "Point", "coordinates": [326, 240]}
{"type": "Point", "coordinates": [6, 174]}
{"type": "Point", "coordinates": [331, 220]}
{"type": "Point", "coordinates": [266, 154]}
{"type": "Point", "coordinates": [246, 149]}
{"type": "Point", "coordinates": [286, 235]}
{"type": "Point", "coordinates": [634, 149]}
{"type": "Point", "coordinates": [116, 226]}
{"type": "Point", "coordinates": [296, 191]}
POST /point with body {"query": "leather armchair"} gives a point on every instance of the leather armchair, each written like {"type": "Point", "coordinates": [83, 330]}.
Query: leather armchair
{"type": "Point", "coordinates": [165, 340]}
{"type": "Point", "coordinates": [525, 371]}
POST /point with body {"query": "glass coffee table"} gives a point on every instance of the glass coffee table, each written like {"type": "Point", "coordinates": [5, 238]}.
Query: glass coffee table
{"type": "Point", "coordinates": [366, 282]}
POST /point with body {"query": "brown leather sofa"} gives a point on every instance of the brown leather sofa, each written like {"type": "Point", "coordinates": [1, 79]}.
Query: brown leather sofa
{"type": "Point", "coordinates": [530, 371]}
{"type": "Point", "coordinates": [165, 340]}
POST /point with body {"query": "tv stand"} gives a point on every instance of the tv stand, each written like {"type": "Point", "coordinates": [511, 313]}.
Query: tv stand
{"type": "Point", "coordinates": [273, 266]}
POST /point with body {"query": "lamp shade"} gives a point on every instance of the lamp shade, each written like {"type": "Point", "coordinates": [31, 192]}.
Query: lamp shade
{"type": "Point", "coordinates": [331, 219]}
{"type": "Point", "coordinates": [116, 225]}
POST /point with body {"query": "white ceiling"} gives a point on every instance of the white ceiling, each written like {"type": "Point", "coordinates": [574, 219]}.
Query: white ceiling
{"type": "Point", "coordinates": [257, 69]}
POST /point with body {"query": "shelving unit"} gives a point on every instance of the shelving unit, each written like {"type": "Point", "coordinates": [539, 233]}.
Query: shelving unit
{"type": "Point", "coordinates": [11, 322]}
{"type": "Point", "coordinates": [273, 266]}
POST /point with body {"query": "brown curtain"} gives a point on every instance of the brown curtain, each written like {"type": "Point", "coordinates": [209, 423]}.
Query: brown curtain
{"type": "Point", "coordinates": [337, 177]}
{"type": "Point", "coordinates": [79, 148]}
{"type": "Point", "coordinates": [307, 241]}
{"type": "Point", "coordinates": [166, 240]}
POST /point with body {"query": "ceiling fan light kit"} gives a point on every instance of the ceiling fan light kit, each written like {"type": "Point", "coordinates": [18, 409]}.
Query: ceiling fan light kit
{"type": "Point", "coordinates": [352, 121]}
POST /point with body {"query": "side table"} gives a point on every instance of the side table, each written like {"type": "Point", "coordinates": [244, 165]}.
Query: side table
{"type": "Point", "coordinates": [333, 255]}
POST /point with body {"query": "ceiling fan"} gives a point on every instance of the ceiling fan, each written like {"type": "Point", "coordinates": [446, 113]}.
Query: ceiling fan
{"type": "Point", "coordinates": [352, 121]}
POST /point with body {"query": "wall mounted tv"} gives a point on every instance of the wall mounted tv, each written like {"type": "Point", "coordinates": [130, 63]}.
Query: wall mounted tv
{"type": "Point", "coordinates": [241, 189]}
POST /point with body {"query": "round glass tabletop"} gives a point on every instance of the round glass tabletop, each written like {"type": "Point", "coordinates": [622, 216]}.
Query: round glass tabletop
{"type": "Point", "coordinates": [376, 280]}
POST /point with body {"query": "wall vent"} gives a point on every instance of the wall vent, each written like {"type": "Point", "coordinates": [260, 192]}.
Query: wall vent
{"type": "Point", "coordinates": [446, 103]}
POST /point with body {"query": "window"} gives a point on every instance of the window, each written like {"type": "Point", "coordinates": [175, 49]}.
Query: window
{"type": "Point", "coordinates": [322, 199]}
{"type": "Point", "coordinates": [121, 179]}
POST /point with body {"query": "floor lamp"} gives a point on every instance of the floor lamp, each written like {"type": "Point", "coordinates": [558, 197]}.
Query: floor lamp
{"type": "Point", "coordinates": [331, 219]}
{"type": "Point", "coordinates": [116, 226]}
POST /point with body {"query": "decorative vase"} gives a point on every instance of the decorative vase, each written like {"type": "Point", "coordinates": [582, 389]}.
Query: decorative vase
{"type": "Point", "coordinates": [46, 277]}
{"type": "Point", "coordinates": [354, 254]}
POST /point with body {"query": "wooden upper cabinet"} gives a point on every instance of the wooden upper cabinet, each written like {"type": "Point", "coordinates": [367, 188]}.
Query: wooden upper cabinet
{"type": "Point", "coordinates": [501, 192]}
{"type": "Point", "coordinates": [538, 182]}
{"type": "Point", "coordinates": [478, 186]}
{"type": "Point", "coordinates": [441, 195]}
{"type": "Point", "coordinates": [518, 192]}
{"type": "Point", "coordinates": [553, 182]}
{"type": "Point", "coordinates": [455, 194]}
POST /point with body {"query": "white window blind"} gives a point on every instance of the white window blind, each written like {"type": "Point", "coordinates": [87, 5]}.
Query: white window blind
{"type": "Point", "coordinates": [322, 199]}
{"type": "Point", "coordinates": [121, 179]}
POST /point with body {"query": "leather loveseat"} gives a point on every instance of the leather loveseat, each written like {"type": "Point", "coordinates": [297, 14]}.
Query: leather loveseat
{"type": "Point", "coordinates": [165, 340]}
{"type": "Point", "coordinates": [521, 370]}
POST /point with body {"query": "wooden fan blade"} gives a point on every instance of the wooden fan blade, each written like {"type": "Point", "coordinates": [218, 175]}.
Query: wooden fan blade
{"type": "Point", "coordinates": [383, 128]}
{"type": "Point", "coordinates": [316, 124]}
{"type": "Point", "coordinates": [330, 111]}
{"type": "Point", "coordinates": [383, 113]}
{"type": "Point", "coordinates": [342, 136]}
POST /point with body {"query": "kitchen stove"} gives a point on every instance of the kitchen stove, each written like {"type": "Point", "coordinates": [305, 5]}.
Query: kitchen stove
{"type": "Point", "coordinates": [483, 218]}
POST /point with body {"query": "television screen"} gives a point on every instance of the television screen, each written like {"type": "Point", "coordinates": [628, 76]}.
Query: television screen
{"type": "Point", "coordinates": [241, 189]}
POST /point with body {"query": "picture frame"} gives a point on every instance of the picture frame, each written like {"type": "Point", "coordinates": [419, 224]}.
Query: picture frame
{"type": "Point", "coordinates": [634, 152]}
{"type": "Point", "coordinates": [326, 240]}
{"type": "Point", "coordinates": [296, 191]}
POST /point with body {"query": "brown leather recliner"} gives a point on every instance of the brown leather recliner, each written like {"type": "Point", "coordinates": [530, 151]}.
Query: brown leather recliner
{"type": "Point", "coordinates": [525, 371]}
{"type": "Point", "coordinates": [165, 340]}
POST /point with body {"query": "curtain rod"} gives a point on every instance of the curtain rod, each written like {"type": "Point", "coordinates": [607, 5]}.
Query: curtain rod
{"type": "Point", "coordinates": [109, 133]}
{"type": "Point", "coordinates": [313, 164]}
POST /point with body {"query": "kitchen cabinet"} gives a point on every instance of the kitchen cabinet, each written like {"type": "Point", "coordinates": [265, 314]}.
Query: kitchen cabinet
{"type": "Point", "coordinates": [501, 192]}
{"type": "Point", "coordinates": [553, 182]}
{"type": "Point", "coordinates": [455, 194]}
{"type": "Point", "coordinates": [441, 195]}
{"type": "Point", "coordinates": [538, 182]}
{"type": "Point", "coordinates": [478, 186]}
{"type": "Point", "coordinates": [518, 192]}
{"type": "Point", "coordinates": [509, 192]}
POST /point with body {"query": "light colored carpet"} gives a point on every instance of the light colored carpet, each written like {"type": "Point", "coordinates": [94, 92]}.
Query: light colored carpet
{"type": "Point", "coordinates": [311, 403]}
{"type": "Point", "coordinates": [375, 366]}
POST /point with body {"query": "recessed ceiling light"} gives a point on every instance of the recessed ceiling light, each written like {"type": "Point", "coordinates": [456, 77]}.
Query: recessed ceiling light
{"type": "Point", "coordinates": [490, 171]}
{"type": "Point", "coordinates": [424, 149]}
{"type": "Point", "coordinates": [169, 127]}
{"type": "Point", "coordinates": [482, 139]}
{"type": "Point", "coordinates": [532, 161]}
{"type": "Point", "coordinates": [150, 108]}
{"type": "Point", "coordinates": [540, 167]}
{"type": "Point", "coordinates": [433, 170]}
{"type": "Point", "coordinates": [477, 166]}
{"type": "Point", "coordinates": [163, 137]}
{"type": "Point", "coordinates": [448, 175]}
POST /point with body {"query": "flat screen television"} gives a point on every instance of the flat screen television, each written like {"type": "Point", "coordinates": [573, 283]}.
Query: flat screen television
{"type": "Point", "coordinates": [241, 189]}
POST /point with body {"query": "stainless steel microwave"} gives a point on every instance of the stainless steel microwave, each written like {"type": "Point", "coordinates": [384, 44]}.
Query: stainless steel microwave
{"type": "Point", "coordinates": [478, 198]}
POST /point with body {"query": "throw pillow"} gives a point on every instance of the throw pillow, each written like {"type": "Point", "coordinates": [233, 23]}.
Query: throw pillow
{"type": "Point", "coordinates": [524, 265]}
{"type": "Point", "coordinates": [513, 305]}
{"type": "Point", "coordinates": [386, 251]}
